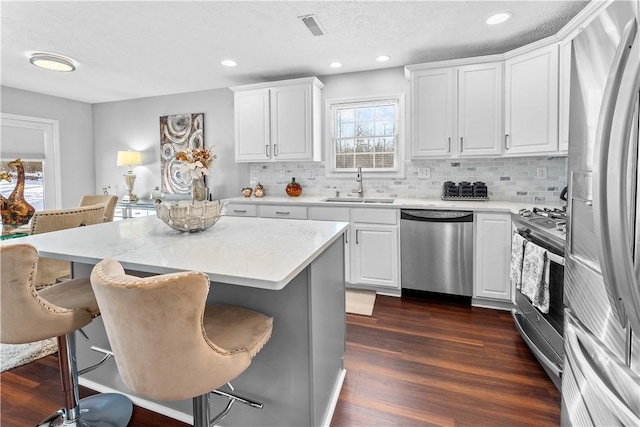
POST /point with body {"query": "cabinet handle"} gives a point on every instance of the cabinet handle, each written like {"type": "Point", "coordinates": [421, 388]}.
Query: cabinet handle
{"type": "Point", "coordinates": [449, 146]}
{"type": "Point", "coordinates": [275, 150]}
{"type": "Point", "coordinates": [240, 210]}
{"type": "Point", "coordinates": [266, 150]}
{"type": "Point", "coordinates": [461, 144]}
{"type": "Point", "coordinates": [506, 141]}
{"type": "Point", "coordinates": [346, 238]}
{"type": "Point", "coordinates": [282, 213]}
{"type": "Point", "coordinates": [357, 237]}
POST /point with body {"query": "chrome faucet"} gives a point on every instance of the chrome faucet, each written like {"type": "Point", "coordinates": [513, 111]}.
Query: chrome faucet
{"type": "Point", "coordinates": [360, 191]}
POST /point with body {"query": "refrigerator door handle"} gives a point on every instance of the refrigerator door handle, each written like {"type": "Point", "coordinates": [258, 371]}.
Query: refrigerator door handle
{"type": "Point", "coordinates": [609, 186]}
{"type": "Point", "coordinates": [613, 382]}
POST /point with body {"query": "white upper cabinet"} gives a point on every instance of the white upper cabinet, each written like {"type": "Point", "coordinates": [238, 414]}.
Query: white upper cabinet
{"type": "Point", "coordinates": [457, 111]}
{"type": "Point", "coordinates": [278, 121]}
{"type": "Point", "coordinates": [433, 112]}
{"type": "Point", "coordinates": [531, 102]}
{"type": "Point", "coordinates": [564, 85]}
{"type": "Point", "coordinates": [480, 109]}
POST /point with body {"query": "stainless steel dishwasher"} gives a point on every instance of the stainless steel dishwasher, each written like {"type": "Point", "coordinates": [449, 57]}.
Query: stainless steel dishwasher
{"type": "Point", "coordinates": [437, 251]}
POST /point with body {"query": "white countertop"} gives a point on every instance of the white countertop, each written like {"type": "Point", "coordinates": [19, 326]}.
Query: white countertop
{"type": "Point", "coordinates": [398, 203]}
{"type": "Point", "coordinates": [257, 252]}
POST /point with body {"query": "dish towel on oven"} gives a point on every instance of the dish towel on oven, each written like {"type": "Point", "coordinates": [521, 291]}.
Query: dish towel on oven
{"type": "Point", "coordinates": [517, 256]}
{"type": "Point", "coordinates": [534, 277]}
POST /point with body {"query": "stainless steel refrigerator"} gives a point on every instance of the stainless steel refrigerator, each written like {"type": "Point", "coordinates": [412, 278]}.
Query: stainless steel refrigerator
{"type": "Point", "coordinates": [601, 378]}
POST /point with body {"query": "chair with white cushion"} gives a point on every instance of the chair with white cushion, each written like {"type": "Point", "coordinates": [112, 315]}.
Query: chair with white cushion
{"type": "Point", "coordinates": [169, 344]}
{"type": "Point", "coordinates": [28, 315]}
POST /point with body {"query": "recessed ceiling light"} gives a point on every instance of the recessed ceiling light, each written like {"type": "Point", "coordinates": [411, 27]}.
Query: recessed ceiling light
{"type": "Point", "coordinates": [229, 63]}
{"type": "Point", "coordinates": [499, 18]}
{"type": "Point", "coordinates": [382, 58]}
{"type": "Point", "coordinates": [53, 62]}
{"type": "Point", "coordinates": [335, 65]}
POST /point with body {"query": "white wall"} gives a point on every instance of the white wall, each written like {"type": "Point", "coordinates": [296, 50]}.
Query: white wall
{"type": "Point", "coordinates": [76, 136]}
{"type": "Point", "coordinates": [135, 124]}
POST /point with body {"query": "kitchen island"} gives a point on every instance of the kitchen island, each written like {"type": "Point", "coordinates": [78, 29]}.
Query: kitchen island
{"type": "Point", "coordinates": [291, 270]}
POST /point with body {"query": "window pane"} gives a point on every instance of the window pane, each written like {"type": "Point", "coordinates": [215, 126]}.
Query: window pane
{"type": "Point", "coordinates": [384, 160]}
{"type": "Point", "coordinates": [386, 112]}
{"type": "Point", "coordinates": [384, 128]}
{"type": "Point", "coordinates": [365, 114]}
{"type": "Point", "coordinates": [345, 115]}
{"type": "Point", "coordinates": [364, 160]}
{"type": "Point", "coordinates": [345, 146]}
{"type": "Point", "coordinates": [365, 129]}
{"type": "Point", "coordinates": [344, 161]}
{"type": "Point", "coordinates": [33, 182]}
{"type": "Point", "coordinates": [346, 129]}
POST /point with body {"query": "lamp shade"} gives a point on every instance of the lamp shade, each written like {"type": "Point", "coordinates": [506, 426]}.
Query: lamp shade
{"type": "Point", "coordinates": [129, 158]}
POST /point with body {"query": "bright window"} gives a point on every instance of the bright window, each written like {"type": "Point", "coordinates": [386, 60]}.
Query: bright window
{"type": "Point", "coordinates": [365, 133]}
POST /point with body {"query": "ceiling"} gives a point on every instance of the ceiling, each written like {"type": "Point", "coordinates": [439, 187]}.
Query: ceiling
{"type": "Point", "coordinates": [135, 49]}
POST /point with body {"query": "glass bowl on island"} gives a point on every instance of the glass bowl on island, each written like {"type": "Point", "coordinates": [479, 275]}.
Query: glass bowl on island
{"type": "Point", "coordinates": [187, 215]}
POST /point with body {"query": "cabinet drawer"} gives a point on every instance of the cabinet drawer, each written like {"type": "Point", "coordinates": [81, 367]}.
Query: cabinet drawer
{"type": "Point", "coordinates": [118, 213]}
{"type": "Point", "coordinates": [135, 213]}
{"type": "Point", "coordinates": [280, 211]}
{"type": "Point", "coordinates": [322, 213]}
{"type": "Point", "coordinates": [375, 216]}
{"type": "Point", "coordinates": [241, 209]}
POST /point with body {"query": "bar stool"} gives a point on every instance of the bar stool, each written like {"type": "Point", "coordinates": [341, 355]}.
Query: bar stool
{"type": "Point", "coordinates": [169, 344]}
{"type": "Point", "coordinates": [29, 315]}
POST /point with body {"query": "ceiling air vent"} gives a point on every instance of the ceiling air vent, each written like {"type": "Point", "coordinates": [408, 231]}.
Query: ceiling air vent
{"type": "Point", "coordinates": [312, 24]}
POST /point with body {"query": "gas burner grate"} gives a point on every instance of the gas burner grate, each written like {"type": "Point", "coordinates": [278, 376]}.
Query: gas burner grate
{"type": "Point", "coordinates": [543, 222]}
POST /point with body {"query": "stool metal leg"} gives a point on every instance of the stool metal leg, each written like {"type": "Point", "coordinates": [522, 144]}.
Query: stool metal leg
{"type": "Point", "coordinates": [101, 410]}
{"type": "Point", "coordinates": [201, 410]}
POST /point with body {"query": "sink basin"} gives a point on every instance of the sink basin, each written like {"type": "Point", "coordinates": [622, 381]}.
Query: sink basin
{"type": "Point", "coordinates": [354, 200]}
{"type": "Point", "coordinates": [343, 200]}
{"type": "Point", "coordinates": [379, 200]}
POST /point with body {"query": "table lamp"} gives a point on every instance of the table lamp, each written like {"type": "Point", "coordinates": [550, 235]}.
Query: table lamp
{"type": "Point", "coordinates": [129, 158]}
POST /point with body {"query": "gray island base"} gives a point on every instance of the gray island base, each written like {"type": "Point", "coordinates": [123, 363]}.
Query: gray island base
{"type": "Point", "coordinates": [299, 373]}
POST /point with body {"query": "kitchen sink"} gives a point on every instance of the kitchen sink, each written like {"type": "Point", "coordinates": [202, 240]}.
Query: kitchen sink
{"type": "Point", "coordinates": [379, 200]}
{"type": "Point", "coordinates": [354, 200]}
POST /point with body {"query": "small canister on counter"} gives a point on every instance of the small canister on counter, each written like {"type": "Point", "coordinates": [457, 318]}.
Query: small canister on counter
{"type": "Point", "coordinates": [449, 189]}
{"type": "Point", "coordinates": [480, 189]}
{"type": "Point", "coordinates": [465, 189]}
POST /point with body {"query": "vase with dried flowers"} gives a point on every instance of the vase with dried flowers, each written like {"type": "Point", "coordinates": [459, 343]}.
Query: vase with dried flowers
{"type": "Point", "coordinates": [195, 165]}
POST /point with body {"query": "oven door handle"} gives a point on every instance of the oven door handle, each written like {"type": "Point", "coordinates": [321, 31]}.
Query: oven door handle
{"type": "Point", "coordinates": [553, 367]}
{"type": "Point", "coordinates": [550, 255]}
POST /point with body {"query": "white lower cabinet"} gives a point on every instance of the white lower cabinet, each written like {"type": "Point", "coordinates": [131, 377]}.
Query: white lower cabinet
{"type": "Point", "coordinates": [372, 255]}
{"type": "Point", "coordinates": [375, 255]}
{"type": "Point", "coordinates": [492, 256]}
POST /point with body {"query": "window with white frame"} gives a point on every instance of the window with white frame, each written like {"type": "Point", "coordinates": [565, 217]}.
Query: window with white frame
{"type": "Point", "coordinates": [365, 133]}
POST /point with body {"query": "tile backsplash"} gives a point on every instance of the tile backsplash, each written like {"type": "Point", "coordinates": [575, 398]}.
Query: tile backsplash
{"type": "Point", "coordinates": [508, 179]}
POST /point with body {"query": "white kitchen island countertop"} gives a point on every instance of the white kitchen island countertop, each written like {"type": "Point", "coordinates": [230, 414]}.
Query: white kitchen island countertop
{"type": "Point", "coordinates": [256, 252]}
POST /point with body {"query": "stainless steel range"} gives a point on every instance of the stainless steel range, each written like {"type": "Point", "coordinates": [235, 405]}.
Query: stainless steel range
{"type": "Point", "coordinates": [542, 330]}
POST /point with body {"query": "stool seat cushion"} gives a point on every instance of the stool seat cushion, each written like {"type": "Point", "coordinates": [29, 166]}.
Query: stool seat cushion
{"type": "Point", "coordinates": [72, 294]}
{"type": "Point", "coordinates": [236, 328]}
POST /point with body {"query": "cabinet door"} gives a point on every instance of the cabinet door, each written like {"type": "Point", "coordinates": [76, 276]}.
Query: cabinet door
{"type": "Point", "coordinates": [252, 126]}
{"type": "Point", "coordinates": [480, 109]}
{"type": "Point", "coordinates": [240, 209]}
{"type": "Point", "coordinates": [564, 85]}
{"type": "Point", "coordinates": [324, 213]}
{"type": "Point", "coordinates": [432, 114]}
{"type": "Point", "coordinates": [531, 102]}
{"type": "Point", "coordinates": [492, 256]}
{"type": "Point", "coordinates": [291, 122]}
{"type": "Point", "coordinates": [376, 255]}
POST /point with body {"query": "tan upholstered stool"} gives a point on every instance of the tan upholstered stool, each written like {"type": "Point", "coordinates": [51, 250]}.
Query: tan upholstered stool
{"type": "Point", "coordinates": [58, 311]}
{"type": "Point", "coordinates": [169, 344]}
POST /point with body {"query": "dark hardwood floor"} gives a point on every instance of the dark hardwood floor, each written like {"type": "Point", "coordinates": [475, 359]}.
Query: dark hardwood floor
{"type": "Point", "coordinates": [414, 362]}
